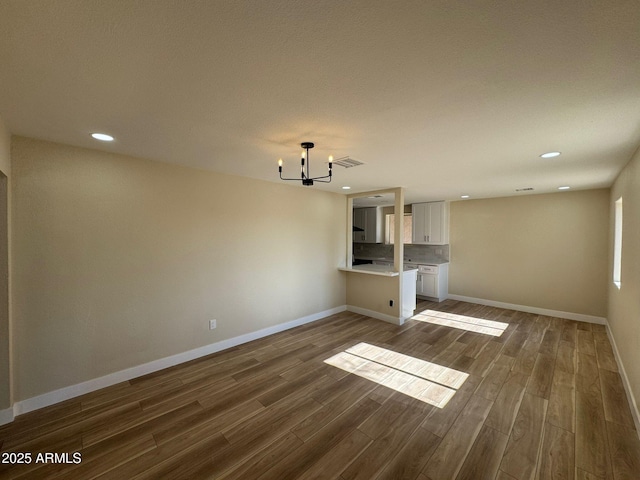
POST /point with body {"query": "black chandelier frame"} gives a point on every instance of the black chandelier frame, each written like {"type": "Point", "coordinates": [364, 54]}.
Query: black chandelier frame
{"type": "Point", "coordinates": [305, 177]}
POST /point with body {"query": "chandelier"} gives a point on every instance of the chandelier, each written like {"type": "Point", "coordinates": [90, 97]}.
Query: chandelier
{"type": "Point", "coordinates": [304, 172]}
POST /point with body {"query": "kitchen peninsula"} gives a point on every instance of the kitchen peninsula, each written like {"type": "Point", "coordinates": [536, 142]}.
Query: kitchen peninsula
{"type": "Point", "coordinates": [378, 286]}
{"type": "Point", "coordinates": [386, 292]}
{"type": "Point", "coordinates": [371, 269]}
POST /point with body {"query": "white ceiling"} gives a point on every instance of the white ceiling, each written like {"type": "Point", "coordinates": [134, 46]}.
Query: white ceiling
{"type": "Point", "coordinates": [441, 97]}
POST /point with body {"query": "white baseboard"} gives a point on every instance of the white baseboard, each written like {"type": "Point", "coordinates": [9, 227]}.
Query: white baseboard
{"type": "Point", "coordinates": [6, 416]}
{"type": "Point", "coordinates": [633, 405]}
{"type": "Point", "coordinates": [372, 313]}
{"type": "Point", "coordinates": [72, 391]}
{"type": "Point", "coordinates": [580, 317]}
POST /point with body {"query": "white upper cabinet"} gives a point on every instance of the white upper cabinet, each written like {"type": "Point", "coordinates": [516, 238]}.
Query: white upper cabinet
{"type": "Point", "coordinates": [367, 225]}
{"type": "Point", "coordinates": [430, 223]}
{"type": "Point", "coordinates": [359, 224]}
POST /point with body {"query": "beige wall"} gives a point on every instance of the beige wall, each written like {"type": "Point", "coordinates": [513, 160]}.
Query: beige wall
{"type": "Point", "coordinates": [624, 303]}
{"type": "Point", "coordinates": [120, 261]}
{"type": "Point", "coordinates": [546, 251]}
{"type": "Point", "coordinates": [373, 292]}
{"type": "Point", "coordinates": [5, 338]}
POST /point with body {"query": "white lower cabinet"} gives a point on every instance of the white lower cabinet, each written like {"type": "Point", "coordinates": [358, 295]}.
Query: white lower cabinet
{"type": "Point", "coordinates": [432, 282]}
{"type": "Point", "coordinates": [429, 285]}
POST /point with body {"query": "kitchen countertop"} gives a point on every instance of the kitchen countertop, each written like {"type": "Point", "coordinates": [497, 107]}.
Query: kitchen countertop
{"type": "Point", "coordinates": [413, 261]}
{"type": "Point", "coordinates": [383, 270]}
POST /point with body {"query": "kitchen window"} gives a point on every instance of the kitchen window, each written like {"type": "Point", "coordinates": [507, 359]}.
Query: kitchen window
{"type": "Point", "coordinates": [389, 230]}
{"type": "Point", "coordinates": [617, 244]}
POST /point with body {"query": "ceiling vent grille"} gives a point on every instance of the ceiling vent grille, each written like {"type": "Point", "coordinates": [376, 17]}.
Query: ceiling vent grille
{"type": "Point", "coordinates": [347, 162]}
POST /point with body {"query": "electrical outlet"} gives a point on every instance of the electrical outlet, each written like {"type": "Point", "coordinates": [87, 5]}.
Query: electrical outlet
{"type": "Point", "coordinates": [391, 303]}
{"type": "Point", "coordinates": [212, 324]}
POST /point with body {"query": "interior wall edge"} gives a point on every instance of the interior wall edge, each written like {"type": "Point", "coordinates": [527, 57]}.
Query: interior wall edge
{"type": "Point", "coordinates": [580, 317]}
{"type": "Point", "coordinates": [72, 391]}
{"type": "Point", "coordinates": [6, 339]}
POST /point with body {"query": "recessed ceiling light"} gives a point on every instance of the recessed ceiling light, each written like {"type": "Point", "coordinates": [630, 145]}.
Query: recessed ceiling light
{"type": "Point", "coordinates": [346, 187]}
{"type": "Point", "coordinates": [564, 187]}
{"type": "Point", "coordinates": [103, 137]}
{"type": "Point", "coordinates": [464, 196]}
{"type": "Point", "coordinates": [550, 154]}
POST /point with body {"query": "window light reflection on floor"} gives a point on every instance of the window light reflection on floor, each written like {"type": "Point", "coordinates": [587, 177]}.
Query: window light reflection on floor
{"type": "Point", "coordinates": [463, 322]}
{"type": "Point", "coordinates": [425, 381]}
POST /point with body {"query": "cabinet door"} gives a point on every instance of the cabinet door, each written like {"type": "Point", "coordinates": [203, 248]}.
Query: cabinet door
{"type": "Point", "coordinates": [419, 284]}
{"type": "Point", "coordinates": [359, 221]}
{"type": "Point", "coordinates": [369, 219]}
{"type": "Point", "coordinates": [435, 229]}
{"type": "Point", "coordinates": [358, 218]}
{"type": "Point", "coordinates": [370, 225]}
{"type": "Point", "coordinates": [430, 285]}
{"type": "Point", "coordinates": [418, 214]}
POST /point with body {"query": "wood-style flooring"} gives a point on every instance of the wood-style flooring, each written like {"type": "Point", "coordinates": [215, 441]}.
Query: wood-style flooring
{"type": "Point", "coordinates": [543, 400]}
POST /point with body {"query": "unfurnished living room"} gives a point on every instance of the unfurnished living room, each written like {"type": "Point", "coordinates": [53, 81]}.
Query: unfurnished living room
{"type": "Point", "coordinates": [319, 239]}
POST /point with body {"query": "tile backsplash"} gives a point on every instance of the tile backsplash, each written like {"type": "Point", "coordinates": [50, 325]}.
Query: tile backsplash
{"type": "Point", "coordinates": [413, 253]}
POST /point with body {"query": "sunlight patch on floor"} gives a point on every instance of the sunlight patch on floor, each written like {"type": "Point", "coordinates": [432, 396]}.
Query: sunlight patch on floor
{"type": "Point", "coordinates": [425, 381]}
{"type": "Point", "coordinates": [462, 322]}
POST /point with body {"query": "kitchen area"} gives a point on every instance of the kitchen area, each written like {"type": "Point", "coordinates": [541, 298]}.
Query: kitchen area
{"type": "Point", "coordinates": [424, 251]}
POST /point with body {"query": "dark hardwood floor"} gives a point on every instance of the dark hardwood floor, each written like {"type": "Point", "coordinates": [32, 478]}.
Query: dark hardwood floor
{"type": "Point", "coordinates": [523, 396]}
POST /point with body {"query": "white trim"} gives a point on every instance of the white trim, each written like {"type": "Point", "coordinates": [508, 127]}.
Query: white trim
{"type": "Point", "coordinates": [580, 317]}
{"type": "Point", "coordinates": [372, 313]}
{"type": "Point", "coordinates": [627, 385]}
{"type": "Point", "coordinates": [6, 416]}
{"type": "Point", "coordinates": [72, 391]}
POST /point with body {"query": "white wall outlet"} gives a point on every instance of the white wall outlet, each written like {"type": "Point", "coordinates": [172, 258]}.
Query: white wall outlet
{"type": "Point", "coordinates": [212, 324]}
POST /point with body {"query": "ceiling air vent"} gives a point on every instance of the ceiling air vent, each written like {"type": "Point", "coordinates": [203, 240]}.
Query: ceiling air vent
{"type": "Point", "coordinates": [347, 162]}
{"type": "Point", "coordinates": [526, 189]}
